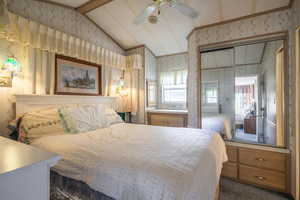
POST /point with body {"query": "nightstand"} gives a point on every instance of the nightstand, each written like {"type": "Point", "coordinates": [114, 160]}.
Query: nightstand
{"type": "Point", "coordinates": [24, 171]}
{"type": "Point", "coordinates": [126, 116]}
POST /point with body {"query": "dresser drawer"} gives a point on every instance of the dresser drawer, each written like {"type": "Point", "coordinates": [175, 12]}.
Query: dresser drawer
{"type": "Point", "coordinates": [230, 170]}
{"type": "Point", "coordinates": [262, 177]}
{"type": "Point", "coordinates": [167, 120]}
{"type": "Point", "coordinates": [263, 159]}
{"type": "Point", "coordinates": [232, 153]}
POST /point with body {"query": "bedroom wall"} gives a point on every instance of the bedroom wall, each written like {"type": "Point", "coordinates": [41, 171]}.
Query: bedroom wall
{"type": "Point", "coordinates": [247, 27]}
{"type": "Point", "coordinates": [63, 19]}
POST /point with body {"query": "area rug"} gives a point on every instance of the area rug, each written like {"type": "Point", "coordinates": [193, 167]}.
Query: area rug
{"type": "Point", "coordinates": [230, 190]}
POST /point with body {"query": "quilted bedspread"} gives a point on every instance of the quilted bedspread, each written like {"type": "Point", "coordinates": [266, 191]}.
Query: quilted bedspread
{"type": "Point", "coordinates": [141, 162]}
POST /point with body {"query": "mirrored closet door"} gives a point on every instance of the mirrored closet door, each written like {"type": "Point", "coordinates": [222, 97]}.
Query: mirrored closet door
{"type": "Point", "coordinates": [243, 92]}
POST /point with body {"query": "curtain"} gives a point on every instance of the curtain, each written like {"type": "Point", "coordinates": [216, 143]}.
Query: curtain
{"type": "Point", "coordinates": [173, 77]}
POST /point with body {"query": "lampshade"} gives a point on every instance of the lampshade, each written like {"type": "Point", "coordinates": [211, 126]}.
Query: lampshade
{"type": "Point", "coordinates": [12, 64]}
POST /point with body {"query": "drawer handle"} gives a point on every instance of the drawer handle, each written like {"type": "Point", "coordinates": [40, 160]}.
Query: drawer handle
{"type": "Point", "coordinates": [260, 159]}
{"type": "Point", "coordinates": [261, 178]}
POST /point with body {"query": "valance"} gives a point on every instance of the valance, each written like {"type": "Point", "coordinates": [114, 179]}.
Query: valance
{"type": "Point", "coordinates": [36, 35]}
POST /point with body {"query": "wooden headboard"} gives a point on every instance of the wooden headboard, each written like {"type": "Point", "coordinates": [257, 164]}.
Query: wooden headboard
{"type": "Point", "coordinates": [27, 103]}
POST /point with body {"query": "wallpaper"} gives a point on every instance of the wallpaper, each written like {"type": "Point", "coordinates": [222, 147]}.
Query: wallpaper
{"type": "Point", "coordinates": [63, 19]}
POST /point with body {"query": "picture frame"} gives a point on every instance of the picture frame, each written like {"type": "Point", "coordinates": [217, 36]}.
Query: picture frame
{"type": "Point", "coordinates": [5, 79]}
{"type": "Point", "coordinates": [151, 93]}
{"type": "Point", "coordinates": [77, 77]}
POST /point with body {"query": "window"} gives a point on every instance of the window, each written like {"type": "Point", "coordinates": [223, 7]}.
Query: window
{"type": "Point", "coordinates": [173, 87]}
{"type": "Point", "coordinates": [174, 94]}
{"type": "Point", "coordinates": [210, 92]}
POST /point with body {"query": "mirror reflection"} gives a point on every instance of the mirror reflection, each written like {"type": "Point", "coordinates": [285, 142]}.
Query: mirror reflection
{"type": "Point", "coordinates": [243, 91]}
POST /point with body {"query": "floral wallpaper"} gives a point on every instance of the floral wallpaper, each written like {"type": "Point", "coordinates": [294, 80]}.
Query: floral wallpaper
{"type": "Point", "coordinates": [63, 19]}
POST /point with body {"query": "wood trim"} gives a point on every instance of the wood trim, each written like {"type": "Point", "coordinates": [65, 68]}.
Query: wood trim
{"type": "Point", "coordinates": [91, 5]}
{"type": "Point", "coordinates": [297, 117]}
{"type": "Point", "coordinates": [241, 18]}
{"type": "Point", "coordinates": [81, 62]}
{"type": "Point", "coordinates": [135, 47]}
{"type": "Point", "coordinates": [173, 54]}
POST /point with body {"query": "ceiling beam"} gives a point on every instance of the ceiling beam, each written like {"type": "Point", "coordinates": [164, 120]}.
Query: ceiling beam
{"type": "Point", "coordinates": [91, 5]}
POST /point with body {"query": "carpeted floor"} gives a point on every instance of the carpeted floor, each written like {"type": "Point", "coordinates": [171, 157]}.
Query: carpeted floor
{"type": "Point", "coordinates": [230, 190]}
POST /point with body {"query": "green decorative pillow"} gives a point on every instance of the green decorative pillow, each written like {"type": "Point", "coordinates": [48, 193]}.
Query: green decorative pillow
{"type": "Point", "coordinates": [83, 118]}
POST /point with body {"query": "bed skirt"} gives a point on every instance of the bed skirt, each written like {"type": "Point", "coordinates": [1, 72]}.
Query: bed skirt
{"type": "Point", "coordinates": [63, 188]}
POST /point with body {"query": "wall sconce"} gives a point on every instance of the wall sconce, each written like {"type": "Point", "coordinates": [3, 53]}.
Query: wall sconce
{"type": "Point", "coordinates": [9, 69]}
{"type": "Point", "coordinates": [12, 64]}
{"type": "Point", "coordinates": [120, 90]}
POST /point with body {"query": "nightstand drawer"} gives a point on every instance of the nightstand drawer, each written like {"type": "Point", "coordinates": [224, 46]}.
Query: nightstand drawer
{"type": "Point", "coordinates": [232, 153]}
{"type": "Point", "coordinates": [261, 177]}
{"type": "Point", "coordinates": [230, 170]}
{"type": "Point", "coordinates": [263, 159]}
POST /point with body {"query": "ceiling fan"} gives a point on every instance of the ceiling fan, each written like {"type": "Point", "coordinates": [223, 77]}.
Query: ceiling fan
{"type": "Point", "coordinates": [153, 10]}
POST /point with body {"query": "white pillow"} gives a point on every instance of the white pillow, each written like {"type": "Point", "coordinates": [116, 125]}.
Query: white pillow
{"type": "Point", "coordinates": [112, 117]}
{"type": "Point", "coordinates": [83, 118]}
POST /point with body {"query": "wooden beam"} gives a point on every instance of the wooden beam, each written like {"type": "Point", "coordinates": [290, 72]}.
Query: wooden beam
{"type": "Point", "coordinates": [91, 5]}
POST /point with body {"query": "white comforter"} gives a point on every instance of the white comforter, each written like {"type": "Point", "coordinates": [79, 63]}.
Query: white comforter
{"type": "Point", "coordinates": [140, 162]}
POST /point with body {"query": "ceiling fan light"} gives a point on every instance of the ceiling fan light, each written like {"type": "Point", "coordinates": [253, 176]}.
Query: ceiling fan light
{"type": "Point", "coordinates": [152, 19]}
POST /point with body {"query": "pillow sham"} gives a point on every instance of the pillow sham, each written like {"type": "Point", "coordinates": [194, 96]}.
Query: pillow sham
{"type": "Point", "coordinates": [40, 123]}
{"type": "Point", "coordinates": [112, 117]}
{"type": "Point", "coordinates": [83, 118]}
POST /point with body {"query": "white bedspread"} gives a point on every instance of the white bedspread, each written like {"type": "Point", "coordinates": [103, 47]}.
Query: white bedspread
{"type": "Point", "coordinates": [140, 162]}
{"type": "Point", "coordinates": [218, 123]}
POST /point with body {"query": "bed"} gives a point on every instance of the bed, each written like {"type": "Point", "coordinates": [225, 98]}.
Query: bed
{"type": "Point", "coordinates": [131, 161]}
{"type": "Point", "coordinates": [219, 123]}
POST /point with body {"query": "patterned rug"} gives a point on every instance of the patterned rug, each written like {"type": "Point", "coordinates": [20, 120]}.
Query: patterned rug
{"type": "Point", "coordinates": [230, 190]}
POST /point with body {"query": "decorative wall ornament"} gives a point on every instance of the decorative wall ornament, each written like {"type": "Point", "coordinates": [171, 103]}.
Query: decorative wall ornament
{"type": "Point", "coordinates": [5, 79]}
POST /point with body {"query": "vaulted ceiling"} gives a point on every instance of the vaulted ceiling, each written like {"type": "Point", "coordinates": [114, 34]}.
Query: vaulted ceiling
{"type": "Point", "coordinates": [168, 36]}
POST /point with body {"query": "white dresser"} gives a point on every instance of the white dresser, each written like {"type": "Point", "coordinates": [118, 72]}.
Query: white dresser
{"type": "Point", "coordinates": [24, 171]}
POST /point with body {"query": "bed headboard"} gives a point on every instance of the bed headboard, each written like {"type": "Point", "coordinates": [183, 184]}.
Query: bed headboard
{"type": "Point", "coordinates": [27, 103]}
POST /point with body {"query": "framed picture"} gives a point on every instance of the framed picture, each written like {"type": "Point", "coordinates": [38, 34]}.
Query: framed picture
{"type": "Point", "coordinates": [5, 79]}
{"type": "Point", "coordinates": [76, 77]}
{"type": "Point", "coordinates": [151, 93]}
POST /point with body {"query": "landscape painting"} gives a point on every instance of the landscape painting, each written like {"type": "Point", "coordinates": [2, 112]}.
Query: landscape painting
{"type": "Point", "coordinates": [77, 77]}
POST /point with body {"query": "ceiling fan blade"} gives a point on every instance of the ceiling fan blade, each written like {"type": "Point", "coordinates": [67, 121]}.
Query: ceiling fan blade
{"type": "Point", "coordinates": [142, 17]}
{"type": "Point", "coordinates": [186, 10]}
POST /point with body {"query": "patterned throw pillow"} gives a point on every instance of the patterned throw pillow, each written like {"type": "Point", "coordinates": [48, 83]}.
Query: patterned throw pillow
{"type": "Point", "coordinates": [83, 118]}
{"type": "Point", "coordinates": [40, 123]}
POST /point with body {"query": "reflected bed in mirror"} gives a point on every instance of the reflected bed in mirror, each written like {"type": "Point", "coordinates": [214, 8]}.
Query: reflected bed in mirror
{"type": "Point", "coordinates": [243, 91]}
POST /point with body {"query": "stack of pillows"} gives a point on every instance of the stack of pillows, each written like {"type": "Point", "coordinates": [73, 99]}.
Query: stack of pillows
{"type": "Point", "coordinates": [57, 121]}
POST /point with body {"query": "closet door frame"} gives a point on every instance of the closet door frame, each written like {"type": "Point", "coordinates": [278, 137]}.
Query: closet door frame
{"type": "Point", "coordinates": [297, 117]}
{"type": "Point", "coordinates": [281, 35]}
